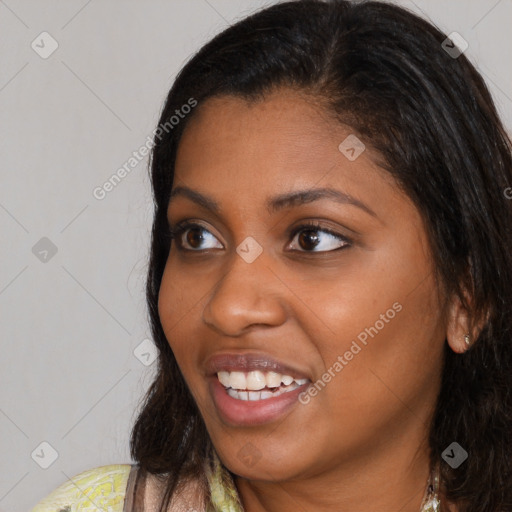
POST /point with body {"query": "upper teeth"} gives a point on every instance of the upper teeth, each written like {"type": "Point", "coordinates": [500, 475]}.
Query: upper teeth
{"type": "Point", "coordinates": [256, 380]}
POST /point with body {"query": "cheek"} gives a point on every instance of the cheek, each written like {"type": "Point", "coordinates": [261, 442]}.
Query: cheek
{"type": "Point", "coordinates": [183, 287]}
{"type": "Point", "coordinates": [383, 319]}
{"type": "Point", "coordinates": [390, 370]}
{"type": "Point", "coordinates": [179, 305]}
{"type": "Point", "coordinates": [174, 311]}
{"type": "Point", "coordinates": [167, 301]}
{"type": "Point", "coordinates": [176, 299]}
{"type": "Point", "coordinates": [355, 303]}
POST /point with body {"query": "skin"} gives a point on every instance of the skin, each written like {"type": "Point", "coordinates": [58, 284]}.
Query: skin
{"type": "Point", "coordinates": [360, 443]}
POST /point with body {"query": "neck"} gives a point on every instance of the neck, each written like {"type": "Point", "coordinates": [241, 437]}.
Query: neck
{"type": "Point", "coordinates": [390, 479]}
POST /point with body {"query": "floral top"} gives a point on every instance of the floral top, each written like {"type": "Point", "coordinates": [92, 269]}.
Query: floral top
{"type": "Point", "coordinates": [120, 488]}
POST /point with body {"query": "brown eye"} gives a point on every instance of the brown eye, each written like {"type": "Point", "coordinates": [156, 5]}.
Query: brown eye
{"type": "Point", "coordinates": [310, 238]}
{"type": "Point", "coordinates": [190, 237]}
{"type": "Point", "coordinates": [194, 237]}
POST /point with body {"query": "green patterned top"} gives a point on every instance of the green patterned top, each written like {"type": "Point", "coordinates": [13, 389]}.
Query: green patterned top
{"type": "Point", "coordinates": [224, 496]}
{"type": "Point", "coordinates": [105, 489]}
{"type": "Point", "coordinates": [111, 489]}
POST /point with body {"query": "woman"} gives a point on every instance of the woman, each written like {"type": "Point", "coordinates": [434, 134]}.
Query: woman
{"type": "Point", "coordinates": [330, 277]}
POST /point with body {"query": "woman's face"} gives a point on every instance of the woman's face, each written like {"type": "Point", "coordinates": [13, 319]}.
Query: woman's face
{"type": "Point", "coordinates": [347, 307]}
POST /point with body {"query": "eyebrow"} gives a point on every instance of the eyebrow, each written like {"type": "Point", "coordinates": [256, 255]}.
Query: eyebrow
{"type": "Point", "coordinates": [279, 202]}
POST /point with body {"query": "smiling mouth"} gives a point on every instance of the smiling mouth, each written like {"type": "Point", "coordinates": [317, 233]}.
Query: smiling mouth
{"type": "Point", "coordinates": [258, 385]}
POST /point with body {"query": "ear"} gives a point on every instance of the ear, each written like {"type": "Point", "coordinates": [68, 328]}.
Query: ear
{"type": "Point", "coordinates": [460, 322]}
{"type": "Point", "coordinates": [457, 326]}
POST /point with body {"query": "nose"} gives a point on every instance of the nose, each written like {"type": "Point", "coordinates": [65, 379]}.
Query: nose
{"type": "Point", "coordinates": [247, 294]}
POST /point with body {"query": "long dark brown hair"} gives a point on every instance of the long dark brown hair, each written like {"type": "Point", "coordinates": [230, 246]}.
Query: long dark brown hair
{"type": "Point", "coordinates": [431, 118]}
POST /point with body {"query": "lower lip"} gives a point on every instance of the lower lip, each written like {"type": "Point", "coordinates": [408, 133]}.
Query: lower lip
{"type": "Point", "coordinates": [248, 413]}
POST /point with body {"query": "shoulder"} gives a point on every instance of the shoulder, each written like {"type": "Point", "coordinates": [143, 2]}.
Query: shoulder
{"type": "Point", "coordinates": [103, 487]}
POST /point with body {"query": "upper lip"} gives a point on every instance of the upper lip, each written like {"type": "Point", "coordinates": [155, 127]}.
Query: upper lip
{"type": "Point", "coordinates": [246, 362]}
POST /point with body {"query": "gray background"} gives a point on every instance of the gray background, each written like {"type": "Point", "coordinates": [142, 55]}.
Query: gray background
{"type": "Point", "coordinates": [71, 321]}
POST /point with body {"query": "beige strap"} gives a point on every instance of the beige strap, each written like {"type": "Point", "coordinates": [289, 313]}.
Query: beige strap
{"type": "Point", "coordinates": [135, 487]}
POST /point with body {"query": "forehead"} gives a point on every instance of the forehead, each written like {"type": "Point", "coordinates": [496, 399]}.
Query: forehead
{"type": "Point", "coordinates": [253, 149]}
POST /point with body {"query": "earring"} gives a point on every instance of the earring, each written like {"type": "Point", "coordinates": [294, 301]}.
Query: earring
{"type": "Point", "coordinates": [467, 339]}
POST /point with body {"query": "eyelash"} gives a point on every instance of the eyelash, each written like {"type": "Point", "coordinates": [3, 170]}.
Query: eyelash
{"type": "Point", "coordinates": [175, 233]}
